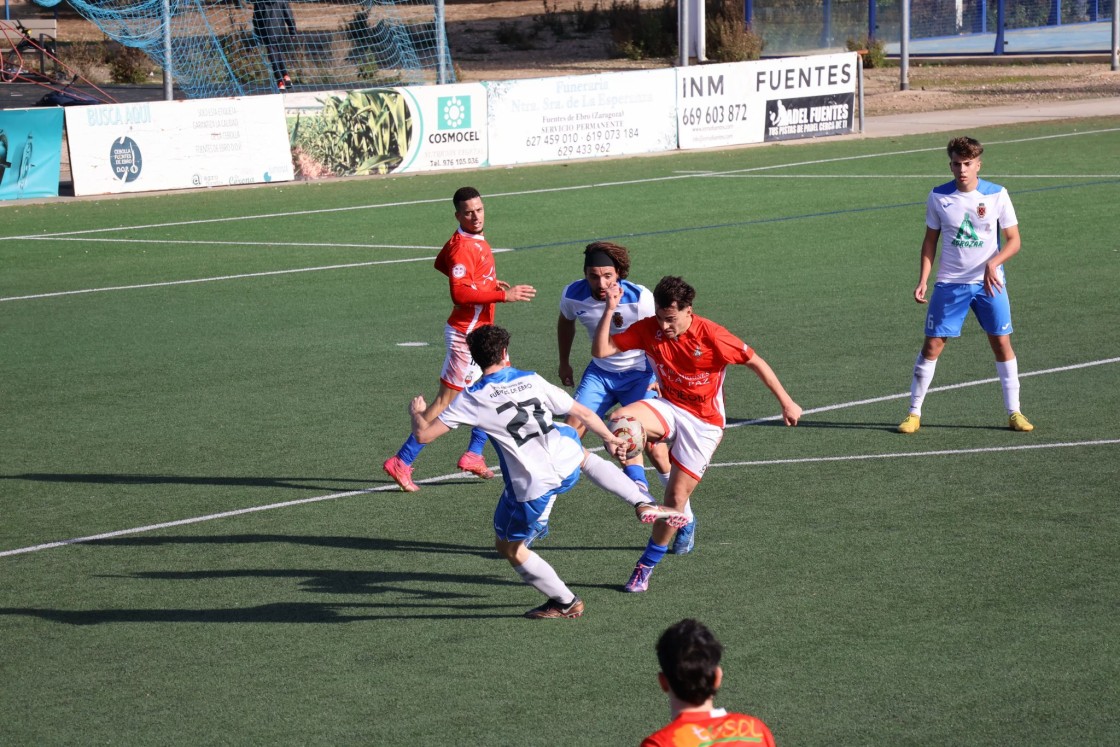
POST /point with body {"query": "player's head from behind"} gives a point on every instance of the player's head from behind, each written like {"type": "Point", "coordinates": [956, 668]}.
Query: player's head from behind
{"type": "Point", "coordinates": [488, 345]}
{"type": "Point", "coordinates": [468, 209]}
{"type": "Point", "coordinates": [604, 264]}
{"type": "Point", "coordinates": [689, 656]}
{"type": "Point", "coordinates": [964, 162]}
{"type": "Point", "coordinates": [672, 300]}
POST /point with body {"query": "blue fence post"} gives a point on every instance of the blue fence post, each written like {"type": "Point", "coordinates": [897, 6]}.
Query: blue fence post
{"type": "Point", "coordinates": [826, 32]}
{"type": "Point", "coordinates": [980, 23]}
{"type": "Point", "coordinates": [872, 22]}
{"type": "Point", "coordinates": [999, 26]}
{"type": "Point", "coordinates": [1055, 18]}
{"type": "Point", "coordinates": [748, 12]}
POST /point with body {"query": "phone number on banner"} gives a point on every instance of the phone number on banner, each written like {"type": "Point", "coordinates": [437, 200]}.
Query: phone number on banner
{"type": "Point", "coordinates": [592, 142]}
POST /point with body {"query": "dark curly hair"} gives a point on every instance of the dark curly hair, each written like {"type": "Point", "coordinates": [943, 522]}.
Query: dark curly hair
{"type": "Point", "coordinates": [965, 147]}
{"type": "Point", "coordinates": [487, 343]}
{"type": "Point", "coordinates": [462, 194]}
{"type": "Point", "coordinates": [689, 655]}
{"type": "Point", "coordinates": [619, 255]}
{"type": "Point", "coordinates": [672, 289]}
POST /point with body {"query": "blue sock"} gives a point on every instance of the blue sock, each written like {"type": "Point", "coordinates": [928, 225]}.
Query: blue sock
{"type": "Point", "coordinates": [636, 473]}
{"type": "Point", "coordinates": [653, 554]}
{"type": "Point", "coordinates": [478, 440]}
{"type": "Point", "coordinates": [409, 450]}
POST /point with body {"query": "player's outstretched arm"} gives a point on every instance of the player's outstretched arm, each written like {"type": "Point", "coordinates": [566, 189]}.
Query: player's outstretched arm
{"type": "Point", "coordinates": [925, 262]}
{"type": "Point", "coordinates": [791, 411]}
{"type": "Point", "coordinates": [565, 335]}
{"type": "Point", "coordinates": [595, 424]}
{"type": "Point", "coordinates": [602, 346]}
{"type": "Point", "coordinates": [423, 429]}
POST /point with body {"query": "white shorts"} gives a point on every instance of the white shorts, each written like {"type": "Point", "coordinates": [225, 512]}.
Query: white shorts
{"type": "Point", "coordinates": [692, 442]}
{"type": "Point", "coordinates": [459, 368]}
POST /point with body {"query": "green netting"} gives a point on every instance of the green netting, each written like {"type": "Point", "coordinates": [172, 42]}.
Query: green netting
{"type": "Point", "coordinates": [239, 48]}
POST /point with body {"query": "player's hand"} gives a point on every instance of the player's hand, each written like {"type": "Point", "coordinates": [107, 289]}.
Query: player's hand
{"type": "Point", "coordinates": [791, 413]}
{"type": "Point", "coordinates": [567, 375]}
{"type": "Point", "coordinates": [992, 284]}
{"type": "Point", "coordinates": [418, 405]}
{"type": "Point", "coordinates": [613, 296]}
{"type": "Point", "coordinates": [616, 447]}
{"type": "Point", "coordinates": [920, 293]}
{"type": "Point", "coordinates": [503, 285]}
{"type": "Point", "coordinates": [520, 293]}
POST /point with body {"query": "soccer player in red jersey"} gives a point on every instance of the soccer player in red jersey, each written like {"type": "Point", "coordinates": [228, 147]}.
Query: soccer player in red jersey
{"type": "Point", "coordinates": [690, 355]}
{"type": "Point", "coordinates": [691, 675]}
{"type": "Point", "coordinates": [468, 263]}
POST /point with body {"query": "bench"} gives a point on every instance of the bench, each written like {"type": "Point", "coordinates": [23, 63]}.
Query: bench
{"type": "Point", "coordinates": [42, 30]}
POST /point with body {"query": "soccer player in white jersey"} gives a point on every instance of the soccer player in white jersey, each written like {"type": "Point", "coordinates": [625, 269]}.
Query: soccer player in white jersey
{"type": "Point", "coordinates": [967, 216]}
{"type": "Point", "coordinates": [616, 379]}
{"type": "Point", "coordinates": [540, 459]}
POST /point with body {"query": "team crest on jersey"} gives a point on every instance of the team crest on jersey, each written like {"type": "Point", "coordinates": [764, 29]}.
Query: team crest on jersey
{"type": "Point", "coordinates": [616, 320]}
{"type": "Point", "coordinates": [458, 271]}
{"type": "Point", "coordinates": [697, 352]}
{"type": "Point", "coordinates": [981, 210]}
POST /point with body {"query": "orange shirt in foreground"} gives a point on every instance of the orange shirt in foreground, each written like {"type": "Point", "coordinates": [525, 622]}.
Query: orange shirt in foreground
{"type": "Point", "coordinates": [690, 369]}
{"type": "Point", "coordinates": [715, 727]}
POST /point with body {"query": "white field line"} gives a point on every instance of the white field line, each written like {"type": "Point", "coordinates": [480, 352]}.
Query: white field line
{"type": "Point", "coordinates": [910, 454]}
{"type": "Point", "coordinates": [550, 190]}
{"type": "Point", "coordinates": [225, 277]}
{"type": "Point", "coordinates": [270, 244]}
{"type": "Point", "coordinates": [1002, 177]}
{"type": "Point", "coordinates": [443, 478]}
{"type": "Point", "coordinates": [945, 388]}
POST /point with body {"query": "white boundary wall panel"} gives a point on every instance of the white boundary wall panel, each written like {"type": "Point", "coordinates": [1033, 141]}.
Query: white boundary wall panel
{"type": "Point", "coordinates": [584, 116]}
{"type": "Point", "coordinates": [145, 147]}
{"type": "Point", "coordinates": [738, 103]}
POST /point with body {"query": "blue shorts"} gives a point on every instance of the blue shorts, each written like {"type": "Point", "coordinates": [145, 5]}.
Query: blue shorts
{"type": "Point", "coordinates": [950, 304]}
{"type": "Point", "coordinates": [516, 520]}
{"type": "Point", "coordinates": [601, 390]}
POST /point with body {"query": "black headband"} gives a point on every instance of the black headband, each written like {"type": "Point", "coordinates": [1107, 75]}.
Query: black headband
{"type": "Point", "coordinates": [598, 258]}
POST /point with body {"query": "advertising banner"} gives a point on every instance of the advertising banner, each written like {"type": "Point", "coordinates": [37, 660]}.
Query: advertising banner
{"type": "Point", "coordinates": [751, 102]}
{"type": "Point", "coordinates": [809, 96]}
{"type": "Point", "coordinates": [387, 130]}
{"type": "Point", "coordinates": [30, 152]}
{"type": "Point", "coordinates": [161, 145]}
{"type": "Point", "coordinates": [556, 119]}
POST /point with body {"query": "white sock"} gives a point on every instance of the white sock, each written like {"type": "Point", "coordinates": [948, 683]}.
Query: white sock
{"type": "Point", "coordinates": [919, 384]}
{"type": "Point", "coordinates": [613, 480]}
{"type": "Point", "coordinates": [1008, 372]}
{"type": "Point", "coordinates": [543, 577]}
{"type": "Point", "coordinates": [664, 478]}
{"type": "Point", "coordinates": [687, 510]}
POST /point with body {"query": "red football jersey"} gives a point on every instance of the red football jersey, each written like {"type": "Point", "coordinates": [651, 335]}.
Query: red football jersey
{"type": "Point", "coordinates": [716, 727]}
{"type": "Point", "coordinates": [691, 368]}
{"type": "Point", "coordinates": [468, 263]}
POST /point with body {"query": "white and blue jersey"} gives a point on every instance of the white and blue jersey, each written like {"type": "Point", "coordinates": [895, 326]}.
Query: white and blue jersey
{"type": "Point", "coordinates": [970, 224]}
{"type": "Point", "coordinates": [577, 303]}
{"type": "Point", "coordinates": [516, 409]}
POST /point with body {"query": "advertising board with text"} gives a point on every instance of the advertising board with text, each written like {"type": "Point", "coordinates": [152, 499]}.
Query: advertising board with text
{"type": "Point", "coordinates": [557, 119]}
{"type": "Point", "coordinates": [387, 130]}
{"type": "Point", "coordinates": [161, 145]}
{"type": "Point", "coordinates": [738, 103]}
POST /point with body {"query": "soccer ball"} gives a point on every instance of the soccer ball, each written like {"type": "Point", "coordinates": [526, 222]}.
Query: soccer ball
{"type": "Point", "coordinates": [631, 431]}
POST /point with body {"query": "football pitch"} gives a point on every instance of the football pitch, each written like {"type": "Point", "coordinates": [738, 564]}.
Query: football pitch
{"type": "Point", "coordinates": [198, 545]}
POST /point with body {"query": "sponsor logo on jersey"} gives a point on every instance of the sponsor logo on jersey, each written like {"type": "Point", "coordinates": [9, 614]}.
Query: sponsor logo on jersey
{"type": "Point", "coordinates": [967, 237]}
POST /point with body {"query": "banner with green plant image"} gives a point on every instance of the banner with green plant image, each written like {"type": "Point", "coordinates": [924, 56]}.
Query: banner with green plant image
{"type": "Point", "coordinates": [387, 130]}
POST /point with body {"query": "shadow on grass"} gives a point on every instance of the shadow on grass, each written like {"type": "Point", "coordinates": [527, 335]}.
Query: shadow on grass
{"type": "Point", "coordinates": [283, 612]}
{"type": "Point", "coordinates": [95, 478]}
